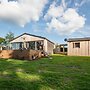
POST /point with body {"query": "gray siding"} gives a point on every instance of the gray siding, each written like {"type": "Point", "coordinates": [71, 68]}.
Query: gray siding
{"type": "Point", "coordinates": [50, 47]}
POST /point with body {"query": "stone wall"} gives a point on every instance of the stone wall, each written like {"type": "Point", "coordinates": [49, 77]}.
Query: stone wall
{"type": "Point", "coordinates": [20, 54]}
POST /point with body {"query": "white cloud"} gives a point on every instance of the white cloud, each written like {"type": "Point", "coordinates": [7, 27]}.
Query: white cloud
{"type": "Point", "coordinates": [60, 18]}
{"type": "Point", "coordinates": [54, 11]}
{"type": "Point", "coordinates": [64, 5]}
{"type": "Point", "coordinates": [80, 3]}
{"type": "Point", "coordinates": [64, 20]}
{"type": "Point", "coordinates": [21, 11]}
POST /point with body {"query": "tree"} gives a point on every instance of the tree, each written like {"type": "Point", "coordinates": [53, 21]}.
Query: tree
{"type": "Point", "coordinates": [65, 39]}
{"type": "Point", "coordinates": [9, 36]}
{"type": "Point", "coordinates": [1, 40]}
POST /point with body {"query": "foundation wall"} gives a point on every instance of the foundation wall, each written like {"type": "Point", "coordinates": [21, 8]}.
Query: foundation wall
{"type": "Point", "coordinates": [20, 54]}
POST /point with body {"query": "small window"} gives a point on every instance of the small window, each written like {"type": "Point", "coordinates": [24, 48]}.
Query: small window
{"type": "Point", "coordinates": [77, 45]}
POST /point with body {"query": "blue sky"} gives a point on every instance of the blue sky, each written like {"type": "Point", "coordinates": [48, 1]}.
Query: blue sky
{"type": "Point", "coordinates": [47, 18]}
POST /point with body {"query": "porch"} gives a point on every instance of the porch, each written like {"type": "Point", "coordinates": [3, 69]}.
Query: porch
{"type": "Point", "coordinates": [29, 45]}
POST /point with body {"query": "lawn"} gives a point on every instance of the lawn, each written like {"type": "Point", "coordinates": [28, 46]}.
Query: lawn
{"type": "Point", "coordinates": [59, 73]}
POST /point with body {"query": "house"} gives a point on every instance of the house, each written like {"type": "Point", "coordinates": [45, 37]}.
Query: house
{"type": "Point", "coordinates": [32, 42]}
{"type": "Point", "coordinates": [61, 49]}
{"type": "Point", "coordinates": [79, 46]}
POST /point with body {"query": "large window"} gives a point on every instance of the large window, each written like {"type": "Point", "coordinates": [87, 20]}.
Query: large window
{"type": "Point", "coordinates": [33, 45]}
{"type": "Point", "coordinates": [16, 46]}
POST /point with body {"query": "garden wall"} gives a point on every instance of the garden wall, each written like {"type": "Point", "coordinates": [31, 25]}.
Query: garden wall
{"type": "Point", "coordinates": [20, 54]}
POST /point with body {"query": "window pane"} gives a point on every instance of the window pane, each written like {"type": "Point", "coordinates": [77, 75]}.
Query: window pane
{"type": "Point", "coordinates": [39, 45]}
{"type": "Point", "coordinates": [32, 45]}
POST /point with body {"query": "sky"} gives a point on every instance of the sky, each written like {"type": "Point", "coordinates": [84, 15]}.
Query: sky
{"type": "Point", "coordinates": [53, 19]}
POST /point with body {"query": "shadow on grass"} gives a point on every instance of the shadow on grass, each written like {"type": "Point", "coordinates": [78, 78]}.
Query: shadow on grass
{"type": "Point", "coordinates": [60, 73]}
{"type": "Point", "coordinates": [17, 75]}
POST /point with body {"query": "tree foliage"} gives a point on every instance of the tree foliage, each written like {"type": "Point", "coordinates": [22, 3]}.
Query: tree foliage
{"type": "Point", "coordinates": [9, 36]}
{"type": "Point", "coordinates": [1, 40]}
{"type": "Point", "coordinates": [65, 39]}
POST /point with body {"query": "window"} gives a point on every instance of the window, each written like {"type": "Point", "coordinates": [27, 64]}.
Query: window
{"type": "Point", "coordinates": [65, 49]}
{"type": "Point", "coordinates": [32, 45]}
{"type": "Point", "coordinates": [15, 46]}
{"type": "Point", "coordinates": [76, 45]}
{"type": "Point", "coordinates": [20, 45]}
{"type": "Point", "coordinates": [39, 45]}
{"type": "Point", "coordinates": [61, 49]}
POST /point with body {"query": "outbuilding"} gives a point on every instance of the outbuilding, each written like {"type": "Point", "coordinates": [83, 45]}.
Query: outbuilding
{"type": "Point", "coordinates": [79, 46]}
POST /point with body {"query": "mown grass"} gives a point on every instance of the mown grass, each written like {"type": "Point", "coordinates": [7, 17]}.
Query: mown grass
{"type": "Point", "coordinates": [59, 73]}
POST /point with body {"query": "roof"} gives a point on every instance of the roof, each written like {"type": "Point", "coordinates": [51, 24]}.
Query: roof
{"type": "Point", "coordinates": [78, 39]}
{"type": "Point", "coordinates": [32, 35]}
{"type": "Point", "coordinates": [63, 44]}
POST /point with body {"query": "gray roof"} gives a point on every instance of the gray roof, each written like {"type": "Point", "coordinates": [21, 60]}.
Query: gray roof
{"type": "Point", "coordinates": [63, 44]}
{"type": "Point", "coordinates": [78, 39]}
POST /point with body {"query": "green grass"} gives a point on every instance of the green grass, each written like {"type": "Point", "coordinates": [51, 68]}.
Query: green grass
{"type": "Point", "coordinates": [60, 73]}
